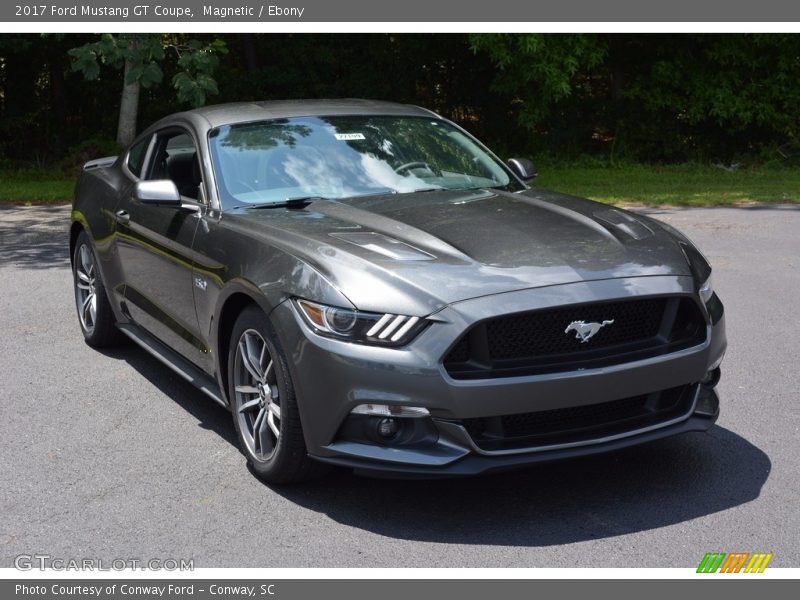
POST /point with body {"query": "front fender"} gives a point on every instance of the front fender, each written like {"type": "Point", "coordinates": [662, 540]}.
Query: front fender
{"type": "Point", "coordinates": [233, 270]}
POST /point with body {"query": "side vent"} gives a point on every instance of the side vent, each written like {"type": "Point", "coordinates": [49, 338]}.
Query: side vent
{"type": "Point", "coordinates": [99, 163]}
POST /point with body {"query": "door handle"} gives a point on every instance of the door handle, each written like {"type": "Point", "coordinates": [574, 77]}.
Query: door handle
{"type": "Point", "coordinates": [123, 216]}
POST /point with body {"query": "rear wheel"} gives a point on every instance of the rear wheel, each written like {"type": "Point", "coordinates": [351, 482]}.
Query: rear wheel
{"type": "Point", "coordinates": [94, 310]}
{"type": "Point", "coordinates": [264, 404]}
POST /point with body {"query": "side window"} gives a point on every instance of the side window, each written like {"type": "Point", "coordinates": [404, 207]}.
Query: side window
{"type": "Point", "coordinates": [175, 157]}
{"type": "Point", "coordinates": [136, 157]}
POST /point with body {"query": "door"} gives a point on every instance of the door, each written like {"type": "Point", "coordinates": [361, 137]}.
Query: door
{"type": "Point", "coordinates": [155, 246]}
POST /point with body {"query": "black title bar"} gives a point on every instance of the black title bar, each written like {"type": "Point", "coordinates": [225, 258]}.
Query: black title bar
{"type": "Point", "coordinates": [465, 11]}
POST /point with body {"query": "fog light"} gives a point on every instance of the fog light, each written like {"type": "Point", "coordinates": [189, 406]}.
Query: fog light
{"type": "Point", "coordinates": [390, 410]}
{"type": "Point", "coordinates": [388, 428]}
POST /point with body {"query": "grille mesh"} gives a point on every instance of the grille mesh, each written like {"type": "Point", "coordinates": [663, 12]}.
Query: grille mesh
{"type": "Point", "coordinates": [536, 342]}
{"type": "Point", "coordinates": [579, 422]}
{"type": "Point", "coordinates": [542, 333]}
{"type": "Point", "coordinates": [572, 417]}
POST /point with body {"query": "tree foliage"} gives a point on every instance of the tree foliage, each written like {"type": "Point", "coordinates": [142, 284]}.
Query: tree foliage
{"type": "Point", "coordinates": [140, 57]}
{"type": "Point", "coordinates": [653, 97]}
{"type": "Point", "coordinates": [659, 98]}
{"type": "Point", "coordinates": [196, 62]}
{"type": "Point", "coordinates": [537, 71]}
{"type": "Point", "coordinates": [740, 87]}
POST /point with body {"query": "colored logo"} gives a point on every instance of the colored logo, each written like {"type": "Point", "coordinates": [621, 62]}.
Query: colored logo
{"type": "Point", "coordinates": [739, 562]}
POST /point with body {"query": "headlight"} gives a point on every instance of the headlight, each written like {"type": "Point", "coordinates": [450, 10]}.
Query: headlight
{"type": "Point", "coordinates": [706, 290]}
{"type": "Point", "coordinates": [360, 327]}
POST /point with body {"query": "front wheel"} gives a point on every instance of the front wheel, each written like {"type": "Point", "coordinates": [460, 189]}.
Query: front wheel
{"type": "Point", "coordinates": [95, 315]}
{"type": "Point", "coordinates": [264, 404]}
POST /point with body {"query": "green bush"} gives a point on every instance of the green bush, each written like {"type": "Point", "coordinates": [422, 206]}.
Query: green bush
{"type": "Point", "coordinates": [80, 154]}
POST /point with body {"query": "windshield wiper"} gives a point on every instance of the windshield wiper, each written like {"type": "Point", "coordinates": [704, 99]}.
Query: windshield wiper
{"type": "Point", "coordinates": [444, 189]}
{"type": "Point", "coordinates": [299, 202]}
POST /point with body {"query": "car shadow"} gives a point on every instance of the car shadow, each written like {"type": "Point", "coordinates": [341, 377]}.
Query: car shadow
{"type": "Point", "coordinates": [637, 489]}
{"type": "Point", "coordinates": [209, 414]}
{"type": "Point", "coordinates": [34, 237]}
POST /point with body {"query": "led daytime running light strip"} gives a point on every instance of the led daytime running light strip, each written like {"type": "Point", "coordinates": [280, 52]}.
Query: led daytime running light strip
{"type": "Point", "coordinates": [399, 324]}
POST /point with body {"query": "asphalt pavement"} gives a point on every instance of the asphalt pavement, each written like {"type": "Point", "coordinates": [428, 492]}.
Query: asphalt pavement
{"type": "Point", "coordinates": [108, 455]}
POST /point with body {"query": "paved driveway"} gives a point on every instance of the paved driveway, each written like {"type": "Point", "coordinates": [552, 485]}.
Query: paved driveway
{"type": "Point", "coordinates": [108, 455]}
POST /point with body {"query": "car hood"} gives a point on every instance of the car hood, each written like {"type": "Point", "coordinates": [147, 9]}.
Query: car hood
{"type": "Point", "coordinates": [425, 250]}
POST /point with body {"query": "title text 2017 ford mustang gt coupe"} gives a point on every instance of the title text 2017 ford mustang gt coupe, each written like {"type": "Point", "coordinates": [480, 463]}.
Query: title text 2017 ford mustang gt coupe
{"type": "Point", "coordinates": [364, 284]}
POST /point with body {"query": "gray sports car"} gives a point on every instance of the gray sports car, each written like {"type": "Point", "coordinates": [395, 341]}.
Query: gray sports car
{"type": "Point", "coordinates": [364, 284]}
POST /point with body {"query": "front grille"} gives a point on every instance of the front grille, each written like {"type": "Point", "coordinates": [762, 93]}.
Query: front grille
{"type": "Point", "coordinates": [536, 342]}
{"type": "Point", "coordinates": [542, 333]}
{"type": "Point", "coordinates": [578, 423]}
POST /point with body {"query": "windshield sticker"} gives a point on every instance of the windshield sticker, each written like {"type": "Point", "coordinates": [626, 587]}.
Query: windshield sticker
{"type": "Point", "coordinates": [349, 136]}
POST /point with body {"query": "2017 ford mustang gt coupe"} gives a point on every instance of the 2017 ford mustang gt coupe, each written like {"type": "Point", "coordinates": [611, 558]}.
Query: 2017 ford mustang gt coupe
{"type": "Point", "coordinates": [364, 284]}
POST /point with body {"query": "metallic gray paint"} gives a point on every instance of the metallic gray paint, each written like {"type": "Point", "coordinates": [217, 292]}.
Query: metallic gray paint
{"type": "Point", "coordinates": [415, 376]}
{"type": "Point", "coordinates": [481, 254]}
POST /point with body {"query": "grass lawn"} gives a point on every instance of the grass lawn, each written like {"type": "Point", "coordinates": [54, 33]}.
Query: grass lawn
{"type": "Point", "coordinates": [681, 185]}
{"type": "Point", "coordinates": [31, 186]}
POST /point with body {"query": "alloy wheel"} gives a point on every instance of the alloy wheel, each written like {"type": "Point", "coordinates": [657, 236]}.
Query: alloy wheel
{"type": "Point", "coordinates": [256, 396]}
{"type": "Point", "coordinates": [85, 288]}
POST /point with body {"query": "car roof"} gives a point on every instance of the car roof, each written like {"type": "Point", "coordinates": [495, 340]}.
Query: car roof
{"type": "Point", "coordinates": [241, 112]}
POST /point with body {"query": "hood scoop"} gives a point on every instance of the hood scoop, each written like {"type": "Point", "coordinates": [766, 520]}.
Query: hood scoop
{"type": "Point", "coordinates": [383, 245]}
{"type": "Point", "coordinates": [620, 222]}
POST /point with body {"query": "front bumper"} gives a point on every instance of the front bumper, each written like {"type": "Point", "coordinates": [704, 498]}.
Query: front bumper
{"type": "Point", "coordinates": [475, 464]}
{"type": "Point", "coordinates": [333, 377]}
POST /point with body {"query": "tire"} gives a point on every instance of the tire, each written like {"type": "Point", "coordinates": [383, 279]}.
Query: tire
{"type": "Point", "coordinates": [264, 404]}
{"type": "Point", "coordinates": [95, 315]}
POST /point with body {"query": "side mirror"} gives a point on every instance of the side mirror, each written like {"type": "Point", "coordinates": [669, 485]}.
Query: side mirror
{"type": "Point", "coordinates": [160, 192]}
{"type": "Point", "coordinates": [523, 168]}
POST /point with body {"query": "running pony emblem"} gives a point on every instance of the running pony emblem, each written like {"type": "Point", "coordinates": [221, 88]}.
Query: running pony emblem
{"type": "Point", "coordinates": [585, 331]}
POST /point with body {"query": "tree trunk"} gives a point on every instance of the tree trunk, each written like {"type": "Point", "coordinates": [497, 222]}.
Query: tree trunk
{"type": "Point", "coordinates": [128, 109]}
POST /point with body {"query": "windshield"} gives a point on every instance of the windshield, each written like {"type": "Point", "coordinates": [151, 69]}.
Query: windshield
{"type": "Point", "coordinates": [341, 157]}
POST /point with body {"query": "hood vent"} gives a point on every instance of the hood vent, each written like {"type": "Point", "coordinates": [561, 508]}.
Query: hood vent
{"type": "Point", "coordinates": [623, 222]}
{"type": "Point", "coordinates": [383, 245]}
